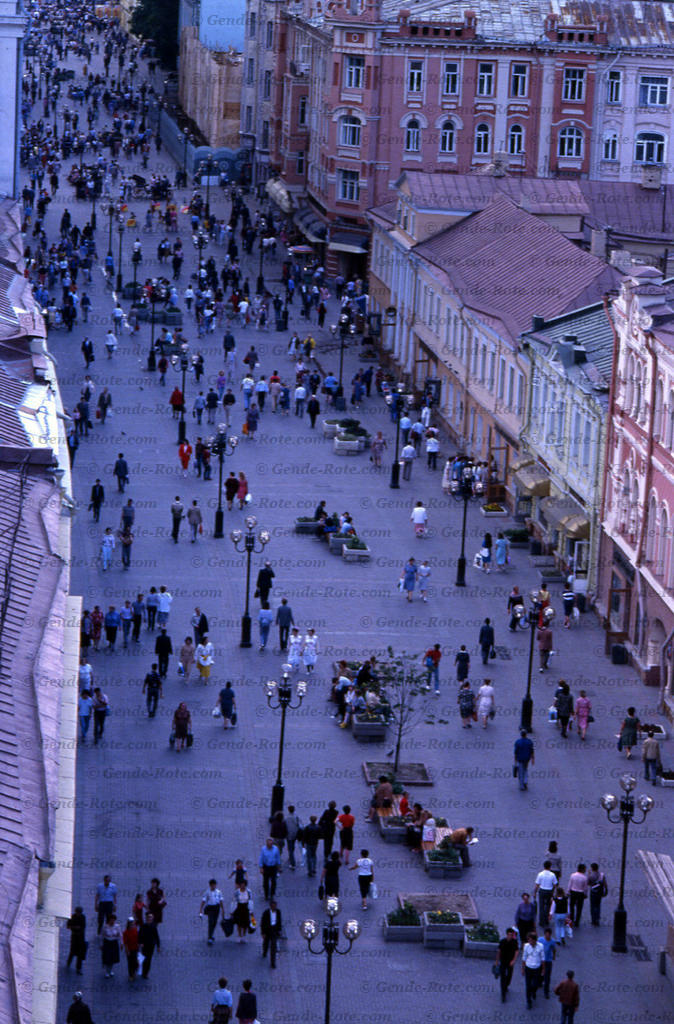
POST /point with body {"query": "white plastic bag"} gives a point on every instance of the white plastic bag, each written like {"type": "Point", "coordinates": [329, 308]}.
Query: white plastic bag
{"type": "Point", "coordinates": [374, 892]}
{"type": "Point", "coordinates": [477, 561]}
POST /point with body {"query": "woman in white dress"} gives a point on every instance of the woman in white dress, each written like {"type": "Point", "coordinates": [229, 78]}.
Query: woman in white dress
{"type": "Point", "coordinates": [310, 650]}
{"type": "Point", "coordinates": [294, 649]}
{"type": "Point", "coordinates": [485, 702]}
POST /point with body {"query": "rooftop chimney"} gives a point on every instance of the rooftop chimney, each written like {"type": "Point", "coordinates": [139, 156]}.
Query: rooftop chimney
{"type": "Point", "coordinates": [537, 323]}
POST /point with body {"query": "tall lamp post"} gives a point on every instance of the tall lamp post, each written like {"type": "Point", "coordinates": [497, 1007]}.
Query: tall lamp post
{"type": "Point", "coordinates": [260, 276]}
{"type": "Point", "coordinates": [529, 620]}
{"type": "Point", "coordinates": [221, 445]}
{"type": "Point", "coordinates": [135, 259]}
{"type": "Point", "coordinates": [181, 364]}
{"type": "Point", "coordinates": [186, 138]}
{"type": "Point", "coordinates": [111, 214]}
{"type": "Point", "coordinates": [92, 219]}
{"type": "Point", "coordinates": [200, 242]}
{"type": "Point", "coordinates": [120, 229]}
{"type": "Point", "coordinates": [396, 401]}
{"type": "Point", "coordinates": [154, 298]}
{"type": "Point", "coordinates": [465, 489]}
{"type": "Point", "coordinates": [279, 695]}
{"type": "Point", "coordinates": [330, 942]}
{"type": "Point", "coordinates": [626, 813]}
{"type": "Point", "coordinates": [206, 166]}
{"type": "Point", "coordinates": [248, 540]}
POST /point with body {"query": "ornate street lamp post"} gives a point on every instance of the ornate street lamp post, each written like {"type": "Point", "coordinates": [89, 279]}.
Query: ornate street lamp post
{"type": "Point", "coordinates": [626, 813]}
{"type": "Point", "coordinates": [397, 401]}
{"type": "Point", "coordinates": [279, 695]}
{"type": "Point", "coordinates": [330, 942]}
{"type": "Point", "coordinates": [221, 445]}
{"type": "Point", "coordinates": [248, 540]}
{"type": "Point", "coordinates": [465, 489]}
{"type": "Point", "coordinates": [529, 620]}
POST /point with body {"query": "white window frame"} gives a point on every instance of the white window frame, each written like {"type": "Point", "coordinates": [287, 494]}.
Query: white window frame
{"type": "Point", "coordinates": [266, 85]}
{"type": "Point", "coordinates": [516, 140]}
{"type": "Point", "coordinates": [250, 71]}
{"type": "Point", "coordinates": [270, 35]}
{"type": "Point", "coordinates": [302, 108]}
{"type": "Point", "coordinates": [519, 80]}
{"type": "Point", "coordinates": [614, 87]}
{"type": "Point", "coordinates": [354, 71]}
{"type": "Point", "coordinates": [451, 82]}
{"type": "Point", "coordinates": [653, 91]}
{"type": "Point", "coordinates": [574, 136]}
{"type": "Point", "coordinates": [448, 137]}
{"type": "Point", "coordinates": [252, 25]}
{"type": "Point", "coordinates": [645, 140]}
{"type": "Point", "coordinates": [349, 131]}
{"type": "Point", "coordinates": [348, 186]}
{"type": "Point", "coordinates": [610, 147]}
{"type": "Point", "coordinates": [482, 148]}
{"type": "Point", "coordinates": [301, 162]}
{"type": "Point", "coordinates": [486, 79]}
{"type": "Point", "coordinates": [415, 77]}
{"type": "Point", "coordinates": [573, 88]}
{"type": "Point", "coordinates": [413, 136]}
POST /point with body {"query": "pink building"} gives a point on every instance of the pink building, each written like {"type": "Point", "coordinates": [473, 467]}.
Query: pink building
{"type": "Point", "coordinates": [636, 563]}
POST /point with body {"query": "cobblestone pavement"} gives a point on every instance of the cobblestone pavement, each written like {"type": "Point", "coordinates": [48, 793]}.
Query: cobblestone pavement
{"type": "Point", "coordinates": [145, 810]}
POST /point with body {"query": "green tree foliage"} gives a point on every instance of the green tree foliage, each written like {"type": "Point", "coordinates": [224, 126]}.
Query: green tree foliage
{"type": "Point", "coordinates": [158, 20]}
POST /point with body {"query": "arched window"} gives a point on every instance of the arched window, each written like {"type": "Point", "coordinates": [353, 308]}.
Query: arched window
{"type": "Point", "coordinates": [651, 531]}
{"type": "Point", "coordinates": [623, 502]}
{"type": "Point", "coordinates": [662, 560]}
{"type": "Point", "coordinates": [670, 421]}
{"type": "Point", "coordinates": [482, 140]}
{"type": "Point", "coordinates": [658, 417]}
{"type": "Point", "coordinates": [516, 140]}
{"type": "Point", "coordinates": [629, 384]}
{"type": "Point", "coordinates": [636, 405]}
{"type": "Point", "coordinates": [349, 131]}
{"type": "Point", "coordinates": [413, 136]}
{"type": "Point", "coordinates": [649, 148]}
{"type": "Point", "coordinates": [610, 151]}
{"type": "Point", "coordinates": [634, 508]}
{"type": "Point", "coordinates": [570, 142]}
{"type": "Point", "coordinates": [447, 137]}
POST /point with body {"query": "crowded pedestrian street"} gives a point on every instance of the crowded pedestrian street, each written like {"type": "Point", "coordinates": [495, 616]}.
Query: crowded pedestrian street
{"type": "Point", "coordinates": [182, 503]}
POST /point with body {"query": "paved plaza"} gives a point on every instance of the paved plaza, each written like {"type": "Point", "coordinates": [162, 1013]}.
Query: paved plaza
{"type": "Point", "coordinates": [145, 810]}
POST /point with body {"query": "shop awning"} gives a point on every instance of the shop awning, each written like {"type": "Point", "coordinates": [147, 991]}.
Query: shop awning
{"type": "Point", "coordinates": [564, 514]}
{"type": "Point", "coordinates": [277, 191]}
{"type": "Point", "coordinates": [342, 241]}
{"type": "Point", "coordinates": [532, 480]}
{"type": "Point", "coordinates": [311, 226]}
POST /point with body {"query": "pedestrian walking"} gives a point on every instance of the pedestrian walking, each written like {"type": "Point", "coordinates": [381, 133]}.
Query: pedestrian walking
{"type": "Point", "coordinates": [227, 703]}
{"type": "Point", "coordinates": [329, 880]}
{"type": "Point", "coordinates": [163, 648]}
{"type": "Point", "coordinates": [515, 600]}
{"type": "Point", "coordinates": [544, 642]}
{"type": "Point", "coordinates": [365, 868]}
{"type": "Point", "coordinates": [597, 888]}
{"type": "Point", "coordinates": [486, 706]}
{"type": "Point", "coordinates": [524, 756]}
{"type": "Point", "coordinates": [77, 926]}
{"type": "Point", "coordinates": [270, 861]}
{"type": "Point", "coordinates": [533, 966]}
{"type": "Point", "coordinates": [564, 706]}
{"type": "Point", "coordinates": [148, 942]}
{"type": "Point", "coordinates": [112, 623]}
{"type": "Point", "coordinates": [177, 513]}
{"type": "Point", "coordinates": [156, 901]}
{"type": "Point", "coordinates": [559, 914]}
{"type": "Point", "coordinates": [568, 994]}
{"type": "Point", "coordinates": [184, 455]}
{"type": "Point", "coordinates": [108, 544]}
{"type": "Point", "coordinates": [345, 825]}
{"type": "Point", "coordinates": [407, 457]}
{"type": "Point", "coordinates": [501, 552]}
{"type": "Point", "coordinates": [544, 889]}
{"type": "Point", "coordinates": [103, 405]}
{"type": "Point", "coordinates": [195, 520]}
{"type": "Point", "coordinates": [181, 726]}
{"type": "Point", "coordinates": [131, 947]}
{"type": "Point", "coordinates": [506, 958]}
{"type": "Point", "coordinates": [212, 905]}
{"type": "Point", "coordinates": [419, 517]}
{"type": "Point", "coordinates": [246, 1008]}
{"type": "Point", "coordinates": [650, 755]}
{"type": "Point", "coordinates": [221, 1003]}
{"type": "Point", "coordinates": [582, 713]}
{"type": "Point", "coordinates": [462, 662]}
{"type": "Point", "coordinates": [311, 835]}
{"type": "Point", "coordinates": [78, 1011]}
{"type": "Point", "coordinates": [199, 624]}
{"type": "Point", "coordinates": [265, 618]}
{"type": "Point", "coordinates": [328, 826]}
{"type": "Point", "coordinates": [204, 657]}
{"type": "Point", "coordinates": [378, 447]}
{"type": "Point", "coordinates": [271, 928]}
{"type": "Point", "coordinates": [284, 620]}
{"type": "Point", "coordinates": [549, 955]}
{"type": "Point", "coordinates": [111, 935]}
{"type": "Point", "coordinates": [432, 660]}
{"type": "Point", "coordinates": [423, 575]}
{"type": "Point", "coordinates": [126, 539]}
{"type": "Point", "coordinates": [525, 917]}
{"type": "Point", "coordinates": [164, 606]}
{"type": "Point", "coordinates": [577, 890]}
{"type": "Point", "coordinates": [85, 706]}
{"type": "Point", "coordinates": [153, 688]}
{"type": "Point", "coordinates": [96, 499]}
{"type": "Point", "coordinates": [121, 471]}
{"type": "Point", "coordinates": [629, 730]}
{"type": "Point", "coordinates": [486, 639]}
{"type": "Point", "coordinates": [466, 702]}
{"type": "Point", "coordinates": [126, 616]}
{"type": "Point", "coordinates": [241, 909]}
{"type": "Point", "coordinates": [569, 604]}
{"type": "Point", "coordinates": [101, 710]}
{"type": "Point", "coordinates": [310, 650]}
{"type": "Point", "coordinates": [313, 409]}
{"type": "Point", "coordinates": [264, 582]}
{"type": "Point", "coordinates": [242, 490]}
{"type": "Point", "coordinates": [408, 578]}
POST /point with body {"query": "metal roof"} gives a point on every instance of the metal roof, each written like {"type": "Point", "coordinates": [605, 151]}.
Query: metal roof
{"type": "Point", "coordinates": [466, 193]}
{"type": "Point", "coordinates": [592, 328]}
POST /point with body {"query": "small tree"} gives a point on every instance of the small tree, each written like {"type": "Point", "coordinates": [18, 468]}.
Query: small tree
{"type": "Point", "coordinates": [158, 20]}
{"type": "Point", "coordinates": [402, 682]}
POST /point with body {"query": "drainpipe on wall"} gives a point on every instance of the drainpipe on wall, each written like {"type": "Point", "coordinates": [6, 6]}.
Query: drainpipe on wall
{"type": "Point", "coordinates": [664, 659]}
{"type": "Point", "coordinates": [611, 398]}
{"type": "Point", "coordinates": [641, 544]}
{"type": "Point", "coordinates": [469, 344]}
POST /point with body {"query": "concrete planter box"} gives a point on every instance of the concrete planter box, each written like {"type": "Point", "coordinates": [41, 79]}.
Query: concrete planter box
{"type": "Point", "coordinates": [443, 936]}
{"type": "Point", "coordinates": [369, 731]}
{"type": "Point", "coordinates": [501, 514]}
{"type": "Point", "coordinates": [309, 528]}
{"type": "Point", "coordinates": [659, 732]}
{"type": "Point", "coordinates": [355, 554]}
{"type": "Point", "coordinates": [335, 544]}
{"type": "Point", "coordinates": [403, 932]}
{"type": "Point", "coordinates": [441, 868]}
{"type": "Point", "coordinates": [348, 447]}
{"type": "Point", "coordinates": [392, 833]}
{"type": "Point", "coordinates": [330, 429]}
{"type": "Point", "coordinates": [479, 950]}
{"type": "Point", "coordinates": [174, 319]}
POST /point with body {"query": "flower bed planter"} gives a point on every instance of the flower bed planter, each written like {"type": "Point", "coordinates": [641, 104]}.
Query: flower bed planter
{"type": "Point", "coordinates": [306, 526]}
{"type": "Point", "coordinates": [659, 732]}
{"type": "Point", "coordinates": [342, 447]}
{"type": "Point", "coordinates": [403, 932]}
{"type": "Point", "coordinates": [335, 543]}
{"type": "Point", "coordinates": [395, 832]}
{"type": "Point", "coordinates": [494, 513]}
{"type": "Point", "coordinates": [481, 942]}
{"type": "Point", "coordinates": [372, 730]}
{"type": "Point", "coordinates": [443, 934]}
{"type": "Point", "coordinates": [355, 554]}
{"type": "Point", "coordinates": [442, 867]}
{"type": "Point", "coordinates": [331, 428]}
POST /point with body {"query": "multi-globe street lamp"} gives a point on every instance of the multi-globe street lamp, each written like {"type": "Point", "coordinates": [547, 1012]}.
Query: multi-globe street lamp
{"type": "Point", "coordinates": [221, 445]}
{"type": "Point", "coordinates": [309, 930]}
{"type": "Point", "coordinates": [466, 489]}
{"type": "Point", "coordinates": [626, 812]}
{"type": "Point", "coordinates": [529, 619]}
{"type": "Point", "coordinates": [248, 540]}
{"type": "Point", "coordinates": [280, 696]}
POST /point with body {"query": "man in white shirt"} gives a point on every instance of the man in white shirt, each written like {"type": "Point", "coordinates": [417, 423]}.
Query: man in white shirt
{"type": "Point", "coordinates": [164, 606]}
{"type": "Point", "coordinates": [407, 455]}
{"type": "Point", "coordinates": [544, 887]}
{"type": "Point", "coordinates": [419, 517]}
{"type": "Point", "coordinates": [533, 965]}
{"type": "Point", "coordinates": [212, 904]}
{"type": "Point", "coordinates": [300, 396]}
{"type": "Point", "coordinates": [221, 1004]}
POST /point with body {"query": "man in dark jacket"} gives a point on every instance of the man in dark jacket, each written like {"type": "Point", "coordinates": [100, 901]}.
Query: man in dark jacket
{"type": "Point", "coordinates": [78, 1011]}
{"type": "Point", "coordinates": [568, 994]}
{"type": "Point", "coordinates": [246, 1009]}
{"type": "Point", "coordinates": [121, 471]}
{"type": "Point", "coordinates": [284, 620]}
{"type": "Point", "coordinates": [486, 640]}
{"type": "Point", "coordinates": [264, 582]}
{"type": "Point", "coordinates": [270, 929]}
{"type": "Point", "coordinates": [152, 686]}
{"type": "Point", "coordinates": [311, 834]}
{"type": "Point", "coordinates": [163, 648]}
{"type": "Point", "coordinates": [97, 499]}
{"type": "Point", "coordinates": [148, 941]}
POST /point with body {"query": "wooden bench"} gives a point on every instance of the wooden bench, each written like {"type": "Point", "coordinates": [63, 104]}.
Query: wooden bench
{"type": "Point", "coordinates": [659, 869]}
{"type": "Point", "coordinates": [390, 812]}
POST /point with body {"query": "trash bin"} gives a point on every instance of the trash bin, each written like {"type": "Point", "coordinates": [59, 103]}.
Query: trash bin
{"type": "Point", "coordinates": [581, 603]}
{"type": "Point", "coordinates": [619, 654]}
{"type": "Point", "coordinates": [340, 403]}
{"type": "Point", "coordinates": [535, 547]}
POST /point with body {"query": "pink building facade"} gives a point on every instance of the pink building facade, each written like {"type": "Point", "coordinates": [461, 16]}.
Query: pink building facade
{"type": "Point", "coordinates": [636, 570]}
